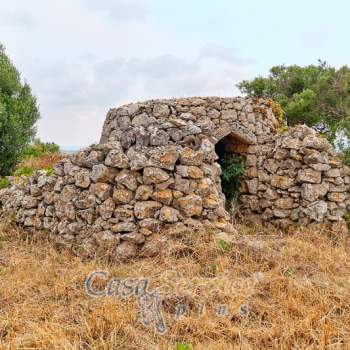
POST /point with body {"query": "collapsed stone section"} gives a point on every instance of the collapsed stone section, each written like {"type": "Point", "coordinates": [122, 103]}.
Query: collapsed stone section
{"type": "Point", "coordinates": [295, 180]}
{"type": "Point", "coordinates": [155, 169]}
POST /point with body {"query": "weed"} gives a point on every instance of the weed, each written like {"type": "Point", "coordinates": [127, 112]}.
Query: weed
{"type": "Point", "coordinates": [4, 183]}
{"type": "Point", "coordinates": [24, 171]}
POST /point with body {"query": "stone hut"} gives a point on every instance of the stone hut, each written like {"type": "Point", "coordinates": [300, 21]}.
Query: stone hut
{"type": "Point", "coordinates": [156, 168]}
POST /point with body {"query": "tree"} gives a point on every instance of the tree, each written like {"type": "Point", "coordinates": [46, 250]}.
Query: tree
{"type": "Point", "coordinates": [315, 95]}
{"type": "Point", "coordinates": [18, 114]}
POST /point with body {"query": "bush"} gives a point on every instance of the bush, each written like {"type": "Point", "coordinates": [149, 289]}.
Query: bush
{"type": "Point", "coordinates": [18, 115]}
{"type": "Point", "coordinates": [39, 149]}
{"type": "Point", "coordinates": [4, 183]}
{"type": "Point", "coordinates": [24, 171]}
{"type": "Point", "coordinates": [232, 171]}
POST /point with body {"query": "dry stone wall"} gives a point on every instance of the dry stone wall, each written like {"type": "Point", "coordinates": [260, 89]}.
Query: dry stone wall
{"type": "Point", "coordinates": [296, 180]}
{"type": "Point", "coordinates": [156, 169]}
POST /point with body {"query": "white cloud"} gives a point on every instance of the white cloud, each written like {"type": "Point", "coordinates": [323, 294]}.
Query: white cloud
{"type": "Point", "coordinates": [81, 95]}
{"type": "Point", "coordinates": [83, 57]}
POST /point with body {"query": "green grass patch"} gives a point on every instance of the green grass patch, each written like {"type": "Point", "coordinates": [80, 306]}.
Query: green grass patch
{"type": "Point", "coordinates": [24, 171]}
{"type": "Point", "coordinates": [183, 346]}
{"type": "Point", "coordinates": [4, 183]}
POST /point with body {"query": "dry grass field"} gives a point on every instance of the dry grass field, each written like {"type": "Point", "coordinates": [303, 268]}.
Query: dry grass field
{"type": "Point", "coordinates": [280, 291]}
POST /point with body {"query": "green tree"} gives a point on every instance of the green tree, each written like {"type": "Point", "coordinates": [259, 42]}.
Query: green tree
{"type": "Point", "coordinates": [315, 95]}
{"type": "Point", "coordinates": [18, 114]}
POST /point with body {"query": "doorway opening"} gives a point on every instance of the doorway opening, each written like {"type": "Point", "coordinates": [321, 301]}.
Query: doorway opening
{"type": "Point", "coordinates": [230, 151]}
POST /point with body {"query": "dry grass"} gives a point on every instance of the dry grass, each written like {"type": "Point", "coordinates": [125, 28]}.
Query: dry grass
{"type": "Point", "coordinates": [296, 288]}
{"type": "Point", "coordinates": [42, 162]}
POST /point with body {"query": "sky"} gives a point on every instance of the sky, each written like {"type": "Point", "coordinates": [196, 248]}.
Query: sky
{"type": "Point", "coordinates": [82, 57]}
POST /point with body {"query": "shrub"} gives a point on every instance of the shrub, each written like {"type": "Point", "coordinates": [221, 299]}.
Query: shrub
{"type": "Point", "coordinates": [232, 171]}
{"type": "Point", "coordinates": [24, 171]}
{"type": "Point", "coordinates": [18, 114]}
{"type": "Point", "coordinates": [4, 183]}
{"type": "Point", "coordinates": [39, 149]}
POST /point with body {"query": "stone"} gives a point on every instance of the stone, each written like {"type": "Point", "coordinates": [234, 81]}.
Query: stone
{"type": "Point", "coordinates": [142, 120]}
{"type": "Point", "coordinates": [294, 154]}
{"type": "Point", "coordinates": [251, 172]}
{"type": "Point", "coordinates": [85, 200]}
{"type": "Point", "coordinates": [143, 192]}
{"type": "Point", "coordinates": [127, 138]}
{"type": "Point", "coordinates": [337, 196]}
{"type": "Point", "coordinates": [320, 167]}
{"type": "Point", "coordinates": [160, 110]}
{"type": "Point", "coordinates": [211, 201]}
{"type": "Point", "coordinates": [182, 185]}
{"type": "Point", "coordinates": [126, 250]}
{"type": "Point", "coordinates": [88, 160]}
{"type": "Point", "coordinates": [117, 159]}
{"type": "Point", "coordinates": [204, 186]}
{"type": "Point", "coordinates": [101, 173]}
{"type": "Point", "coordinates": [124, 213]}
{"type": "Point", "coordinates": [312, 192]}
{"type": "Point", "coordinates": [82, 178]}
{"type": "Point", "coordinates": [332, 173]}
{"type": "Point", "coordinates": [315, 142]}
{"type": "Point", "coordinates": [252, 185]}
{"type": "Point", "coordinates": [152, 175]}
{"type": "Point", "coordinates": [163, 196]}
{"type": "Point", "coordinates": [290, 143]}
{"type": "Point", "coordinates": [309, 175]}
{"type": "Point", "coordinates": [191, 205]}
{"type": "Point", "coordinates": [124, 227]}
{"type": "Point", "coordinates": [70, 169]}
{"type": "Point", "coordinates": [153, 247]}
{"type": "Point", "coordinates": [168, 214]}
{"type": "Point", "coordinates": [313, 157]}
{"type": "Point", "coordinates": [316, 211]}
{"type": "Point", "coordinates": [281, 154]}
{"type": "Point", "coordinates": [128, 179]}
{"type": "Point", "coordinates": [191, 157]}
{"type": "Point", "coordinates": [101, 190]}
{"type": "Point", "coordinates": [122, 195]}
{"type": "Point", "coordinates": [138, 160]}
{"type": "Point", "coordinates": [149, 226]}
{"type": "Point", "coordinates": [230, 114]}
{"type": "Point", "coordinates": [35, 191]}
{"type": "Point", "coordinates": [133, 237]}
{"type": "Point", "coordinates": [146, 209]}
{"type": "Point", "coordinates": [29, 202]}
{"type": "Point", "coordinates": [263, 176]}
{"type": "Point", "coordinates": [106, 209]}
{"type": "Point", "coordinates": [251, 160]}
{"type": "Point", "coordinates": [192, 172]}
{"type": "Point", "coordinates": [159, 138]}
{"type": "Point", "coordinates": [164, 185]}
{"type": "Point", "coordinates": [284, 203]}
{"type": "Point", "coordinates": [250, 202]}
{"type": "Point", "coordinates": [165, 158]}
{"type": "Point", "coordinates": [69, 193]}
{"type": "Point", "coordinates": [280, 213]}
{"type": "Point", "coordinates": [283, 182]}
{"type": "Point", "coordinates": [338, 188]}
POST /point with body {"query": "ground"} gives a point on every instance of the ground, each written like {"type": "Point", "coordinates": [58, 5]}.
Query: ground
{"type": "Point", "coordinates": [276, 290]}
